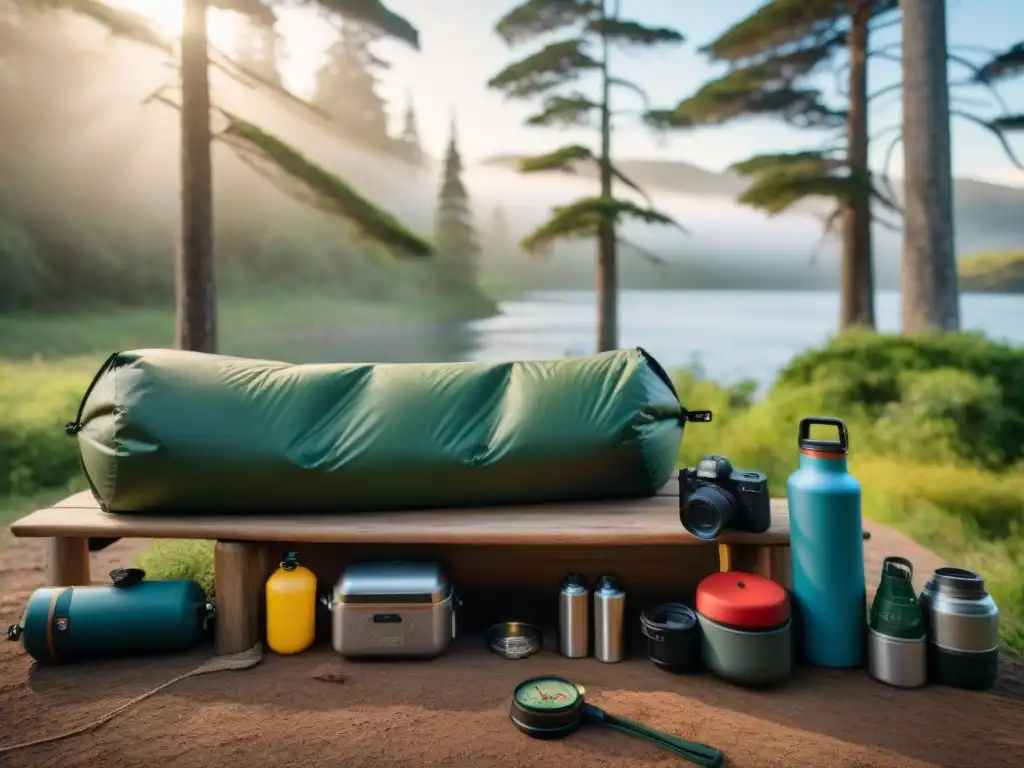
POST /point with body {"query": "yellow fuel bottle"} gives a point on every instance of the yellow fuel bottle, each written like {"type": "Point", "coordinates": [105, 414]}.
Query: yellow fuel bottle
{"type": "Point", "coordinates": [291, 607]}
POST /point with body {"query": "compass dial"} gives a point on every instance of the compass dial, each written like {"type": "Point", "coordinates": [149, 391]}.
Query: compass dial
{"type": "Point", "coordinates": [547, 693]}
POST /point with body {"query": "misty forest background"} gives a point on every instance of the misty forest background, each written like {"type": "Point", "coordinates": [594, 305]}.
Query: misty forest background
{"type": "Point", "coordinates": [336, 234]}
{"type": "Point", "coordinates": [89, 192]}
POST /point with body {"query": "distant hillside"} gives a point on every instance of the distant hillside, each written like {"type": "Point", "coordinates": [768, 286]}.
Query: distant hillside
{"type": "Point", "coordinates": [988, 216]}
{"type": "Point", "coordinates": [669, 175]}
{"type": "Point", "coordinates": [1001, 272]}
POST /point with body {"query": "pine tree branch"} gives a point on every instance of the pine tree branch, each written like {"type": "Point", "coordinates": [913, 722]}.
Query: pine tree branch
{"type": "Point", "coordinates": [776, 25]}
{"type": "Point", "coordinates": [644, 253]}
{"type": "Point", "coordinates": [994, 127]}
{"type": "Point", "coordinates": [1009, 123]}
{"type": "Point", "coordinates": [563, 160]}
{"type": "Point", "coordinates": [891, 88]}
{"type": "Point", "coordinates": [829, 223]}
{"type": "Point", "coordinates": [978, 77]}
{"type": "Point", "coordinates": [629, 85]}
{"type": "Point", "coordinates": [813, 163]}
{"type": "Point", "coordinates": [581, 219]}
{"type": "Point", "coordinates": [551, 67]}
{"type": "Point", "coordinates": [567, 111]}
{"type": "Point", "coordinates": [621, 32]}
{"type": "Point", "coordinates": [371, 12]}
{"type": "Point", "coordinates": [534, 18]}
{"type": "Point", "coordinates": [753, 91]}
{"type": "Point", "coordinates": [1002, 66]}
{"type": "Point", "coordinates": [292, 174]}
{"type": "Point", "coordinates": [618, 174]}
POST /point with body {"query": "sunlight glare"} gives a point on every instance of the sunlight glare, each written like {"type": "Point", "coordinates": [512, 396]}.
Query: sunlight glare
{"type": "Point", "coordinates": [222, 27]}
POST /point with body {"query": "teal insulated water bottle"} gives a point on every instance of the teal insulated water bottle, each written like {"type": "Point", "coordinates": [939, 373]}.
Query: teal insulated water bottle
{"type": "Point", "coordinates": [827, 551]}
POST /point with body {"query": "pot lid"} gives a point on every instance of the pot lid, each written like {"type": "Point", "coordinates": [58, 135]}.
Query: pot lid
{"type": "Point", "coordinates": [743, 600]}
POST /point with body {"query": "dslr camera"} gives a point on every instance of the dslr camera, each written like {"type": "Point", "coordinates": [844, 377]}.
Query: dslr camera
{"type": "Point", "coordinates": [714, 496]}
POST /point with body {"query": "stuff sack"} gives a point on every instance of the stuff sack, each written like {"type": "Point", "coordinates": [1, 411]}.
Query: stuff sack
{"type": "Point", "coordinates": [171, 431]}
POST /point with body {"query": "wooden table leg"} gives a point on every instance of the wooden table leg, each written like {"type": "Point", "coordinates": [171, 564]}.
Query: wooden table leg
{"type": "Point", "coordinates": [67, 563]}
{"type": "Point", "coordinates": [235, 570]}
{"type": "Point", "coordinates": [770, 561]}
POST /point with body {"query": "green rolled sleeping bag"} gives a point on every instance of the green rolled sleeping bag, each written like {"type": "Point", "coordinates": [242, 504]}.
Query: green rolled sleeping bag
{"type": "Point", "coordinates": [165, 431]}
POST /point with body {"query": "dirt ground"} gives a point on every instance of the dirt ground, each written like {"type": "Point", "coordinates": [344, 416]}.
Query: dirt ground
{"type": "Point", "coordinates": [318, 710]}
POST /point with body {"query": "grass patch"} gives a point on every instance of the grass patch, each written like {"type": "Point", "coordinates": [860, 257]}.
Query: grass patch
{"type": "Point", "coordinates": [251, 325]}
{"type": "Point", "coordinates": [180, 559]}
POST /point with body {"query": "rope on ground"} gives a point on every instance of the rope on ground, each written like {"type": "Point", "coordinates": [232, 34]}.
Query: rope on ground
{"type": "Point", "coordinates": [238, 661]}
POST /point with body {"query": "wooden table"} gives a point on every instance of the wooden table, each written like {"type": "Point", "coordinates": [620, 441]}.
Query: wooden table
{"type": "Point", "coordinates": [527, 548]}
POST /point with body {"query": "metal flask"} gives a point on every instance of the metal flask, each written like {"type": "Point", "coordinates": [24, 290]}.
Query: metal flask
{"type": "Point", "coordinates": [609, 619]}
{"type": "Point", "coordinates": [963, 629]}
{"type": "Point", "coordinates": [574, 617]}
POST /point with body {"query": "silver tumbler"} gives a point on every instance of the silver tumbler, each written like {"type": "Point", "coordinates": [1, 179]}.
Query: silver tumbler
{"type": "Point", "coordinates": [574, 617]}
{"type": "Point", "coordinates": [609, 619]}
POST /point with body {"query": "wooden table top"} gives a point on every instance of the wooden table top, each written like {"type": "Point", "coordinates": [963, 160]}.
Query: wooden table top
{"type": "Point", "coordinates": [652, 520]}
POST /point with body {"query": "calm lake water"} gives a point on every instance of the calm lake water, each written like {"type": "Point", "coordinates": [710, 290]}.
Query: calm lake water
{"type": "Point", "coordinates": [732, 335]}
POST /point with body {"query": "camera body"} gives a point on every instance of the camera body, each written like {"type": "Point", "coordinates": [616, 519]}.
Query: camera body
{"type": "Point", "coordinates": [714, 495]}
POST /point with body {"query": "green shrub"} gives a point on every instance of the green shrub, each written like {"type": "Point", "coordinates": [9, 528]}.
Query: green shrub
{"type": "Point", "coordinates": [180, 559]}
{"type": "Point", "coordinates": [36, 401]}
{"type": "Point", "coordinates": [973, 384]}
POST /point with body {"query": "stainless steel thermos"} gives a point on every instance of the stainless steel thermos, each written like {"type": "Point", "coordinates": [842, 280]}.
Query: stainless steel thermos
{"type": "Point", "coordinates": [963, 629]}
{"type": "Point", "coordinates": [574, 617]}
{"type": "Point", "coordinates": [609, 619]}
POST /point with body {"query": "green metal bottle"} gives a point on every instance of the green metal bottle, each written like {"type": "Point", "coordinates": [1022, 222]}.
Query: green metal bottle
{"type": "Point", "coordinates": [896, 628]}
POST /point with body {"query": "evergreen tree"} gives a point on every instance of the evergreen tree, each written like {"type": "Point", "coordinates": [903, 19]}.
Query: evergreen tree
{"type": "Point", "coordinates": [458, 249]}
{"type": "Point", "coordinates": [777, 57]}
{"type": "Point", "coordinates": [195, 324]}
{"type": "Point", "coordinates": [409, 138]}
{"type": "Point", "coordinates": [257, 50]}
{"type": "Point", "coordinates": [776, 54]}
{"type": "Point", "coordinates": [931, 298]}
{"type": "Point", "coordinates": [346, 86]}
{"type": "Point", "coordinates": [591, 30]}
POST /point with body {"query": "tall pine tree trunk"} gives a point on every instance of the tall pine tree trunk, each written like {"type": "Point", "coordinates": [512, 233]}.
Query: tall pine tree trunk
{"type": "Point", "coordinates": [607, 272]}
{"type": "Point", "coordinates": [196, 301]}
{"type": "Point", "coordinates": [931, 300]}
{"type": "Point", "coordinates": [856, 289]}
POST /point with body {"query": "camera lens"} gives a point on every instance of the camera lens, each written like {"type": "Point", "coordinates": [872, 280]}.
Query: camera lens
{"type": "Point", "coordinates": [707, 511]}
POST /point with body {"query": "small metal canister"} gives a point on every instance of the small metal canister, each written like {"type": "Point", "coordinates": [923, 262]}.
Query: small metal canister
{"type": "Point", "coordinates": [574, 617]}
{"type": "Point", "coordinates": [609, 619]}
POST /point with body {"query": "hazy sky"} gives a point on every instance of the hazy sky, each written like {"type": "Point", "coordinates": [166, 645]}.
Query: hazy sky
{"type": "Point", "coordinates": [460, 53]}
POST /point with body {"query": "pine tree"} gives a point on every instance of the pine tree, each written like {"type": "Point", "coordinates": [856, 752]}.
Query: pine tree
{"type": "Point", "coordinates": [931, 298]}
{"type": "Point", "coordinates": [346, 86]}
{"type": "Point", "coordinates": [777, 57]}
{"type": "Point", "coordinates": [455, 237]}
{"type": "Point", "coordinates": [409, 138]}
{"type": "Point", "coordinates": [195, 322]}
{"type": "Point", "coordinates": [592, 30]}
{"type": "Point", "coordinates": [776, 54]}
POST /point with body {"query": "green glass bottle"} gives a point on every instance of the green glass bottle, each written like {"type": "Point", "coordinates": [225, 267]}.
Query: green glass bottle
{"type": "Point", "coordinates": [895, 611]}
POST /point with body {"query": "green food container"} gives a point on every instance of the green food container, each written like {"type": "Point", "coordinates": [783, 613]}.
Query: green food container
{"type": "Point", "coordinates": [746, 628]}
{"type": "Point", "coordinates": [129, 617]}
